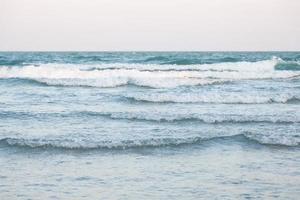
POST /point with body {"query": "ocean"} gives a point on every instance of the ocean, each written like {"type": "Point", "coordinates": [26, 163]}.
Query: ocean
{"type": "Point", "coordinates": [149, 125]}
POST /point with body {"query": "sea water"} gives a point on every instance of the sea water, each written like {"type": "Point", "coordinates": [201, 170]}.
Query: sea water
{"type": "Point", "coordinates": [149, 125]}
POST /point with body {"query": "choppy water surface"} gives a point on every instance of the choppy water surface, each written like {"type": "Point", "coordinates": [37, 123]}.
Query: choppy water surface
{"type": "Point", "coordinates": [142, 125]}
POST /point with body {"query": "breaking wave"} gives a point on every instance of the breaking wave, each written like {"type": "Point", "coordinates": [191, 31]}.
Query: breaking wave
{"type": "Point", "coordinates": [149, 75]}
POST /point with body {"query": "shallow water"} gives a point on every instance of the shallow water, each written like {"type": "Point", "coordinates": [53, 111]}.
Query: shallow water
{"type": "Point", "coordinates": [144, 125]}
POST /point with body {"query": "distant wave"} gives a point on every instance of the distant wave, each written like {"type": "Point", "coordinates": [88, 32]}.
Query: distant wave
{"type": "Point", "coordinates": [169, 69]}
{"type": "Point", "coordinates": [212, 98]}
{"type": "Point", "coordinates": [157, 58]}
{"type": "Point", "coordinates": [154, 76]}
{"type": "Point", "coordinates": [86, 144]}
{"type": "Point", "coordinates": [89, 58]}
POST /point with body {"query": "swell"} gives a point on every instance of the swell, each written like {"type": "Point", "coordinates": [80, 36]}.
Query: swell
{"type": "Point", "coordinates": [288, 65]}
{"type": "Point", "coordinates": [7, 62]}
{"type": "Point", "coordinates": [194, 61]}
{"type": "Point", "coordinates": [70, 144]}
{"type": "Point", "coordinates": [108, 144]}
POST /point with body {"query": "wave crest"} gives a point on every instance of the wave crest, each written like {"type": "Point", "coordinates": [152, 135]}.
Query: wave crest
{"type": "Point", "coordinates": [143, 143]}
{"type": "Point", "coordinates": [213, 98]}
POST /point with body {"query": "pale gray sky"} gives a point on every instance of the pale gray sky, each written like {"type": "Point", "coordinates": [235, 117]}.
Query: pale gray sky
{"type": "Point", "coordinates": [98, 25]}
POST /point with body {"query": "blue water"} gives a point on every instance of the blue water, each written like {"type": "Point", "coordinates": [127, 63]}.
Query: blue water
{"type": "Point", "coordinates": [149, 125]}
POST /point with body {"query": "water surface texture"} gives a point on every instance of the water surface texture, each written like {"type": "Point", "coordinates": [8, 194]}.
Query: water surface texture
{"type": "Point", "coordinates": [149, 125]}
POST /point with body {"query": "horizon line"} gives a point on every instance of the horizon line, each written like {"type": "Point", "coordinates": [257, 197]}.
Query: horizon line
{"type": "Point", "coordinates": [154, 51]}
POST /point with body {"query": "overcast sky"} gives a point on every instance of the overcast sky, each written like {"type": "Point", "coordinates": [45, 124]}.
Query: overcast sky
{"type": "Point", "coordinates": [113, 25]}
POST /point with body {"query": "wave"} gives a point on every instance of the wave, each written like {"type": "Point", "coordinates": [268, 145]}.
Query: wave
{"type": "Point", "coordinates": [64, 76]}
{"type": "Point", "coordinates": [209, 119]}
{"type": "Point", "coordinates": [161, 76]}
{"type": "Point", "coordinates": [189, 61]}
{"type": "Point", "coordinates": [86, 144]}
{"type": "Point", "coordinates": [212, 98]}
{"type": "Point", "coordinates": [163, 117]}
{"type": "Point", "coordinates": [111, 82]}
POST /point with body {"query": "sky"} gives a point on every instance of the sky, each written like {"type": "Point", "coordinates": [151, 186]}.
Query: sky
{"type": "Point", "coordinates": [149, 25]}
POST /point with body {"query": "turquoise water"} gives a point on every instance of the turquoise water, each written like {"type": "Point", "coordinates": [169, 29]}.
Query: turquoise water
{"type": "Point", "coordinates": [149, 125]}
